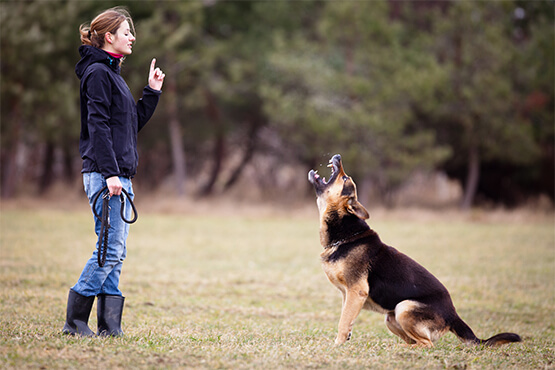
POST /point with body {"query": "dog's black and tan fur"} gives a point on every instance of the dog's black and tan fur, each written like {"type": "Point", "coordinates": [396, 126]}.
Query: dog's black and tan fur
{"type": "Point", "coordinates": [374, 276]}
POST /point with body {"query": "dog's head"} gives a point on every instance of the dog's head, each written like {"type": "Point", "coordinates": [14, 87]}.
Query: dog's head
{"type": "Point", "coordinates": [338, 195]}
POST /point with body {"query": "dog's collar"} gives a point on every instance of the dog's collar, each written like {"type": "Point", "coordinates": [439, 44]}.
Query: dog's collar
{"type": "Point", "coordinates": [350, 239]}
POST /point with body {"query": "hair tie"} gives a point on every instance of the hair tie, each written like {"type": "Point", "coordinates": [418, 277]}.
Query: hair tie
{"type": "Point", "coordinates": [89, 34]}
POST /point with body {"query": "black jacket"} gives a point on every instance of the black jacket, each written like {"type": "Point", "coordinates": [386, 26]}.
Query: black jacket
{"type": "Point", "coordinates": [110, 118]}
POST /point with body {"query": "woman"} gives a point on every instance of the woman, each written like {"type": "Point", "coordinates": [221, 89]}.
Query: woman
{"type": "Point", "coordinates": [110, 120]}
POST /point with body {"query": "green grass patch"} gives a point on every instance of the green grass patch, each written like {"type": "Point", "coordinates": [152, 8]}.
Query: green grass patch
{"type": "Point", "coordinates": [249, 292]}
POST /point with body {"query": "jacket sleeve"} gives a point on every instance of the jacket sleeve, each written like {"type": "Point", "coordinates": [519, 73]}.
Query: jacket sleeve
{"type": "Point", "coordinates": [146, 105]}
{"type": "Point", "coordinates": [98, 92]}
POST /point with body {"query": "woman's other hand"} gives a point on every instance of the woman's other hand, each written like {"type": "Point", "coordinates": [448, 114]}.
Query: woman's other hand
{"type": "Point", "coordinates": [114, 185]}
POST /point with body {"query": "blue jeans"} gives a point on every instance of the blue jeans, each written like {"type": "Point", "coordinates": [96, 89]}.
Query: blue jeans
{"type": "Point", "coordinates": [95, 280]}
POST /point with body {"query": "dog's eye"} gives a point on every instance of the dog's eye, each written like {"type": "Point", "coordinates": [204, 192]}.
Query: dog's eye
{"type": "Point", "coordinates": [345, 178]}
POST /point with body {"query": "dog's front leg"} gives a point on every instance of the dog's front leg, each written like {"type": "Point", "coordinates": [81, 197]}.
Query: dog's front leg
{"type": "Point", "coordinates": [353, 303]}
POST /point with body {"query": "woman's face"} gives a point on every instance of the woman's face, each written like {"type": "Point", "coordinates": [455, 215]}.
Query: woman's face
{"type": "Point", "coordinates": [122, 41]}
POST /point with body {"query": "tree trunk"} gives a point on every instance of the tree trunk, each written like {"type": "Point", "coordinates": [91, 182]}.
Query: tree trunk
{"type": "Point", "coordinates": [472, 177]}
{"type": "Point", "coordinates": [9, 157]}
{"type": "Point", "coordinates": [69, 170]}
{"type": "Point", "coordinates": [47, 175]}
{"type": "Point", "coordinates": [9, 170]}
{"type": "Point", "coordinates": [176, 138]}
{"type": "Point", "coordinates": [178, 156]}
{"type": "Point", "coordinates": [218, 152]}
{"type": "Point", "coordinates": [217, 160]}
{"type": "Point", "coordinates": [247, 155]}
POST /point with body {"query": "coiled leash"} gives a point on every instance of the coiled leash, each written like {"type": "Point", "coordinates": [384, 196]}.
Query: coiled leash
{"type": "Point", "coordinates": [105, 220]}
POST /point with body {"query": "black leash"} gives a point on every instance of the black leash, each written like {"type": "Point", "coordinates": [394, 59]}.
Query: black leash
{"type": "Point", "coordinates": [105, 220]}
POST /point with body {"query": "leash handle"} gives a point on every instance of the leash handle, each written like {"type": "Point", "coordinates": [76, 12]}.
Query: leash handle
{"type": "Point", "coordinates": [105, 220]}
{"type": "Point", "coordinates": [122, 210]}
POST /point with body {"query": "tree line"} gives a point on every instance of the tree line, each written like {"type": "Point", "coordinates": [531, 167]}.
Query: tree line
{"type": "Point", "coordinates": [463, 87]}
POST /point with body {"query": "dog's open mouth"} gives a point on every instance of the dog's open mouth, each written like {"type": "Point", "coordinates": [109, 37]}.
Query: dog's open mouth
{"type": "Point", "coordinates": [320, 182]}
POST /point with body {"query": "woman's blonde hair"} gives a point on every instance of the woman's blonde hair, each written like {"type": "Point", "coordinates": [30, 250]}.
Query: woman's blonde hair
{"type": "Point", "coordinates": [107, 21]}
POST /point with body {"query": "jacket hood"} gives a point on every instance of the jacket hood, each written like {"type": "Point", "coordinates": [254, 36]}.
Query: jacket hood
{"type": "Point", "coordinates": [90, 55]}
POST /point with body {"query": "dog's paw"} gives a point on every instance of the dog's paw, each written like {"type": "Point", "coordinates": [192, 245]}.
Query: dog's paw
{"type": "Point", "coordinates": [341, 339]}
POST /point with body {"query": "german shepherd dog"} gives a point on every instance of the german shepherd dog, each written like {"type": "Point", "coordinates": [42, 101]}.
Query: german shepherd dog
{"type": "Point", "coordinates": [375, 276]}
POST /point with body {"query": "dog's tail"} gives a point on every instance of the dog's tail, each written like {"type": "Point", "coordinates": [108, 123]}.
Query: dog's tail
{"type": "Point", "coordinates": [465, 333]}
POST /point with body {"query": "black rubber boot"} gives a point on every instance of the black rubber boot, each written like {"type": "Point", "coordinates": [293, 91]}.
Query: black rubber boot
{"type": "Point", "coordinates": [77, 317]}
{"type": "Point", "coordinates": [109, 309]}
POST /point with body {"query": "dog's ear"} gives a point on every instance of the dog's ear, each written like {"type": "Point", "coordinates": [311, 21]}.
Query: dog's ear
{"type": "Point", "coordinates": [357, 209]}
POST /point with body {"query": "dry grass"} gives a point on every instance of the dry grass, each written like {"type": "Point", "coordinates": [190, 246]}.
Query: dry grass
{"type": "Point", "coordinates": [209, 290]}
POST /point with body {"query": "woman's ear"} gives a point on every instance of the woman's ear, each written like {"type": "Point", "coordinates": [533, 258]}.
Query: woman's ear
{"type": "Point", "coordinates": [108, 36]}
{"type": "Point", "coordinates": [357, 209]}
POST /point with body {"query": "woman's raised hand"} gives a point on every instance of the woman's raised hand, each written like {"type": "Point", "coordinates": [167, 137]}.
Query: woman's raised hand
{"type": "Point", "coordinates": [155, 76]}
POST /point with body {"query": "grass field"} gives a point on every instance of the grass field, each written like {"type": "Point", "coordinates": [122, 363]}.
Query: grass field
{"type": "Point", "coordinates": [209, 291]}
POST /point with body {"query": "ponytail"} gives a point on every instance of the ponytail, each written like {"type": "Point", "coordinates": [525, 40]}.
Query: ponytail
{"type": "Point", "coordinates": [90, 38]}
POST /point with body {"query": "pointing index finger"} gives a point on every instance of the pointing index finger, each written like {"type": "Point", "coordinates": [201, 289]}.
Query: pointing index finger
{"type": "Point", "coordinates": [152, 64]}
